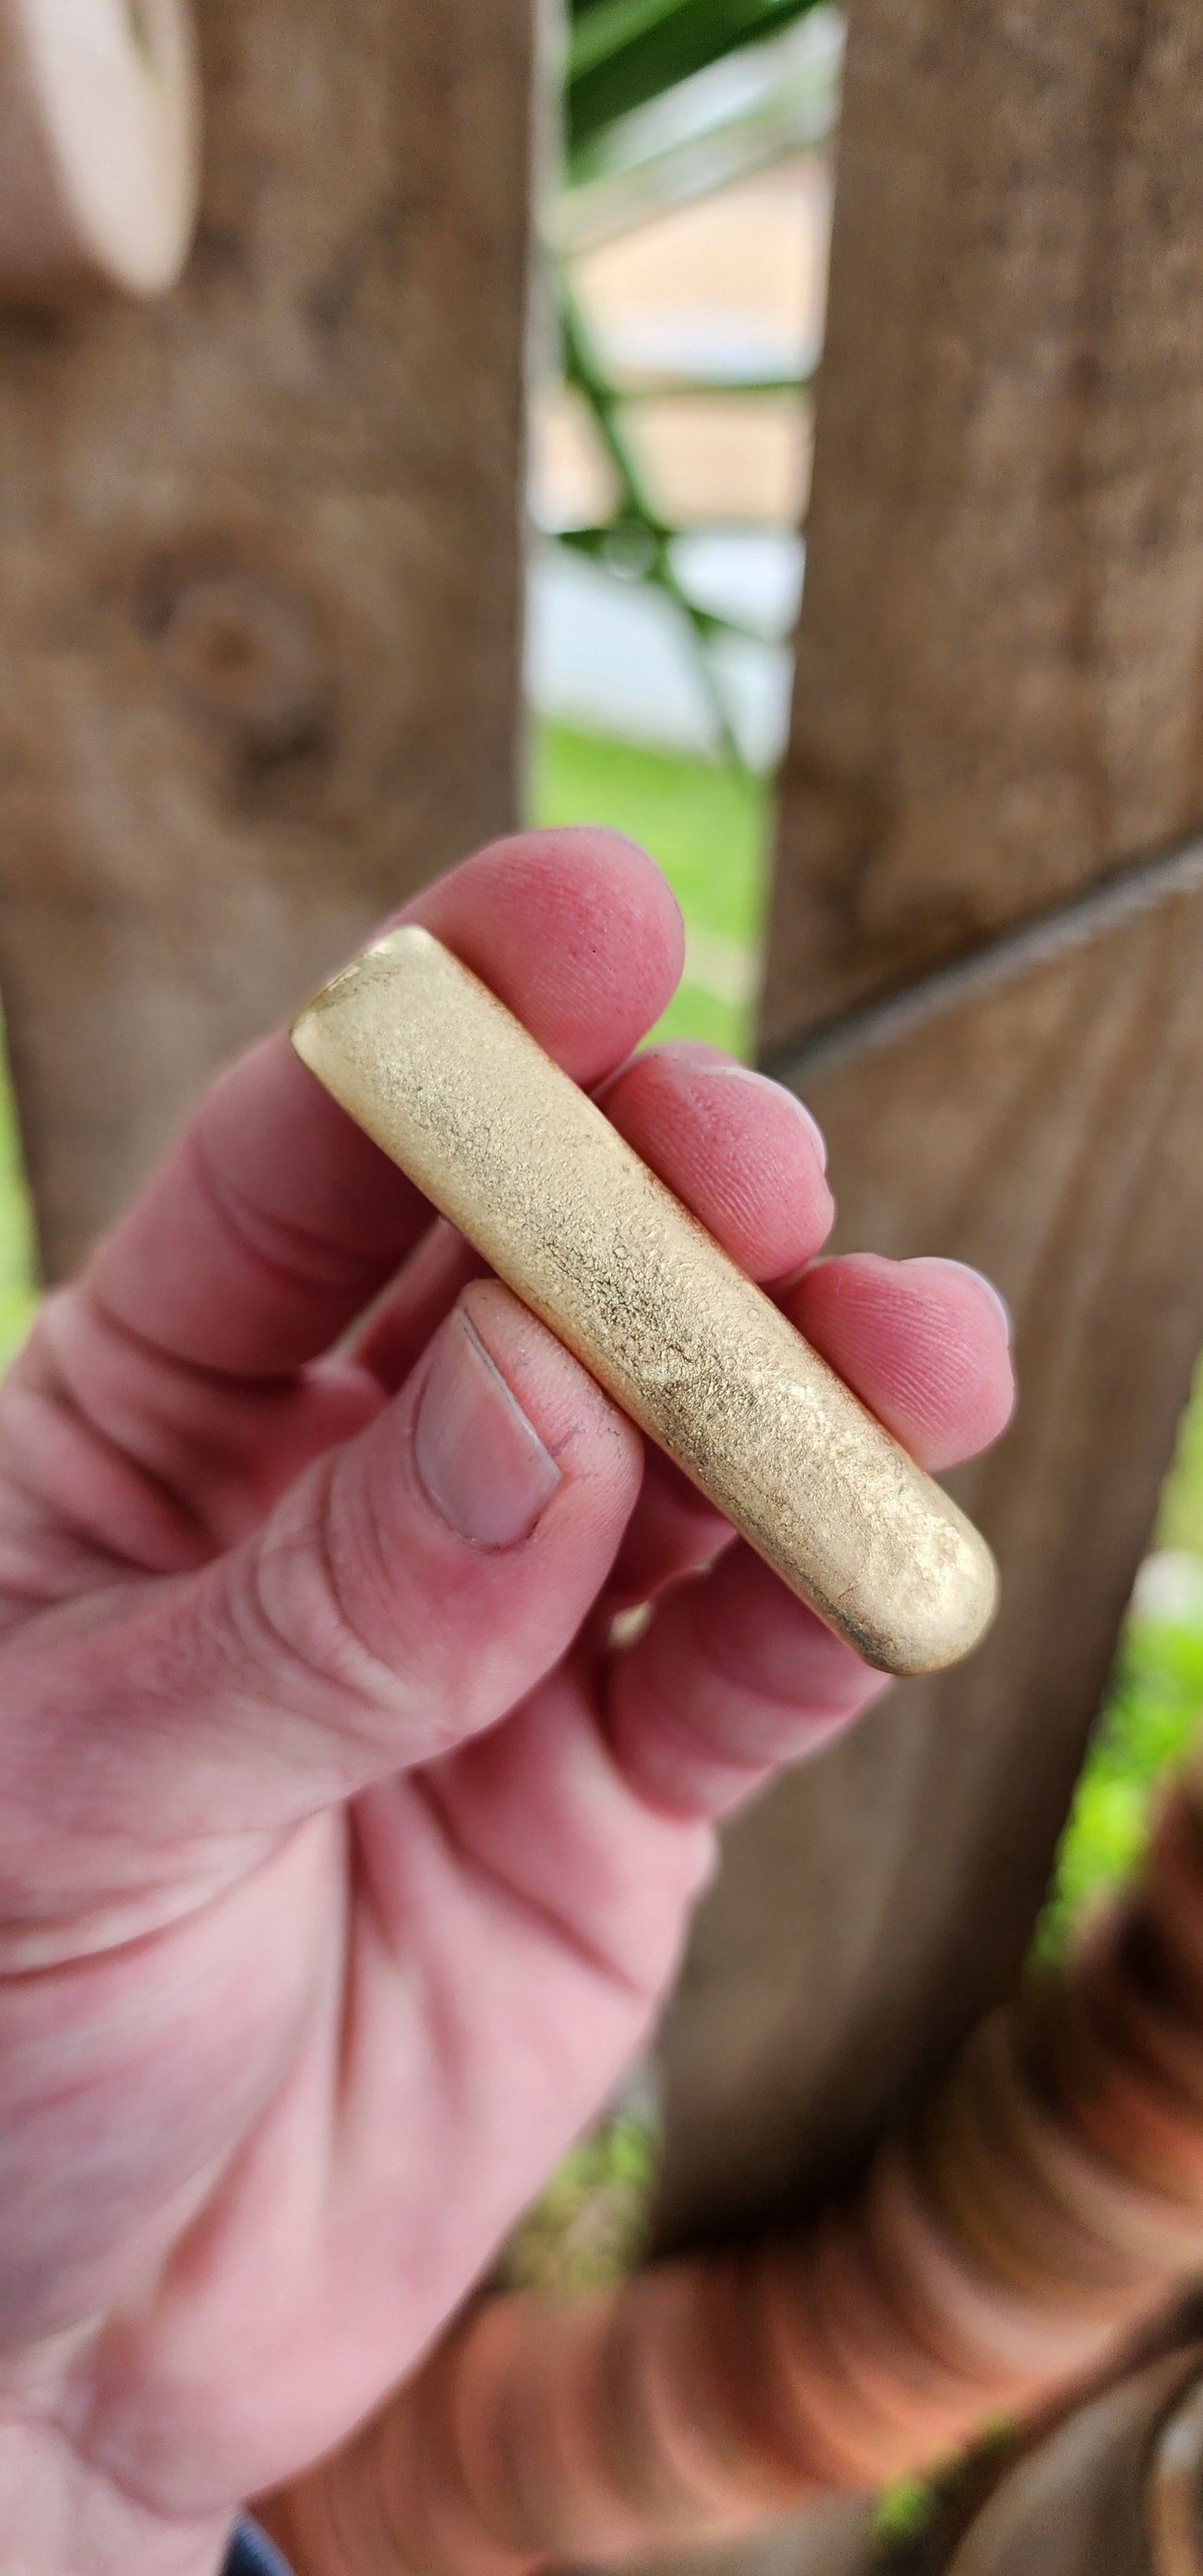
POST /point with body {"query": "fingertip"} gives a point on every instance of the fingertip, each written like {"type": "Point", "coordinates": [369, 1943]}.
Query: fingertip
{"type": "Point", "coordinates": [741, 1151]}
{"type": "Point", "coordinates": [576, 929]}
{"type": "Point", "coordinates": [959, 1275]}
{"type": "Point", "coordinates": [925, 1343]}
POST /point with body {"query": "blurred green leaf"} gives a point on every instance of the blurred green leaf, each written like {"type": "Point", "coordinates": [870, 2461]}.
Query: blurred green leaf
{"type": "Point", "coordinates": [624, 52]}
{"type": "Point", "coordinates": [1150, 1721]}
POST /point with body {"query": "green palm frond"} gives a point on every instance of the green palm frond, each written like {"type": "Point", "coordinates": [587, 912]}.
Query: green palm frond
{"type": "Point", "coordinates": [625, 56]}
{"type": "Point", "coordinates": [624, 52]}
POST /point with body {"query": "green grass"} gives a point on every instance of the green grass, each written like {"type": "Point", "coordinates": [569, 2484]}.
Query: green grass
{"type": "Point", "coordinates": [1180, 1523]}
{"type": "Point", "coordinates": [589, 2227]}
{"type": "Point", "coordinates": [1151, 1713]}
{"type": "Point", "coordinates": [18, 1294]}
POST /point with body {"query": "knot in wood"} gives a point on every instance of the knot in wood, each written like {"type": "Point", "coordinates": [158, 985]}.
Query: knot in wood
{"type": "Point", "coordinates": [246, 657]}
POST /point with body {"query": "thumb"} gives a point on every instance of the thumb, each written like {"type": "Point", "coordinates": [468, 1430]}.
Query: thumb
{"type": "Point", "coordinates": [408, 1590]}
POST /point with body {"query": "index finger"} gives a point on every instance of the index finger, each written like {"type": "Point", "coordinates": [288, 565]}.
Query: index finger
{"type": "Point", "coordinates": [275, 1221]}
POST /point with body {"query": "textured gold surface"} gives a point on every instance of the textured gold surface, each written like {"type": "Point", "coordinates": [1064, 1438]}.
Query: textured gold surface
{"type": "Point", "coordinates": [456, 1091]}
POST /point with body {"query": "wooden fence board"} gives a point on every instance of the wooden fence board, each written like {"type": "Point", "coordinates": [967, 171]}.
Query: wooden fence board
{"type": "Point", "coordinates": [998, 665]}
{"type": "Point", "coordinates": [835, 2539]}
{"type": "Point", "coordinates": [877, 1900]}
{"type": "Point", "coordinates": [993, 713]}
{"type": "Point", "coordinates": [260, 569]}
{"type": "Point", "coordinates": [1079, 2505]}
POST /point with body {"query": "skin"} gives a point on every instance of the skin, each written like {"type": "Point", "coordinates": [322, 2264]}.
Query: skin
{"type": "Point", "coordinates": [343, 1865]}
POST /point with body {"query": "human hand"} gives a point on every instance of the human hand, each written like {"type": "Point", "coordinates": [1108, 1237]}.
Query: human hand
{"type": "Point", "coordinates": [343, 1863]}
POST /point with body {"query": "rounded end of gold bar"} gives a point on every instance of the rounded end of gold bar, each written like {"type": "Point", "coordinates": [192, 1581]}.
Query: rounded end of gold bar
{"type": "Point", "coordinates": [949, 1606]}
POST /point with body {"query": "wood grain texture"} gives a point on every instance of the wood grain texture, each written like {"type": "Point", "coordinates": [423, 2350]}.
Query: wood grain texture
{"type": "Point", "coordinates": [998, 703]}
{"type": "Point", "coordinates": [998, 687]}
{"type": "Point", "coordinates": [875, 1902]}
{"type": "Point", "coordinates": [834, 2539]}
{"type": "Point", "coordinates": [260, 570]}
{"type": "Point", "coordinates": [1078, 2506]}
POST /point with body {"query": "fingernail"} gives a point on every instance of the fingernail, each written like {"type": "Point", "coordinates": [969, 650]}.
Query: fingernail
{"type": "Point", "coordinates": [482, 1463]}
{"type": "Point", "coordinates": [941, 1261]}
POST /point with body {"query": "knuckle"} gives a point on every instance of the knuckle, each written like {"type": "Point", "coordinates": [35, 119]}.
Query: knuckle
{"type": "Point", "coordinates": [309, 1590]}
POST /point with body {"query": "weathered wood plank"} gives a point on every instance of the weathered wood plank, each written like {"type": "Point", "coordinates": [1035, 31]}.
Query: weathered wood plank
{"type": "Point", "coordinates": [834, 2540]}
{"type": "Point", "coordinates": [260, 569]}
{"type": "Point", "coordinates": [997, 704]}
{"type": "Point", "coordinates": [997, 682]}
{"type": "Point", "coordinates": [878, 1900]}
{"type": "Point", "coordinates": [1080, 2504]}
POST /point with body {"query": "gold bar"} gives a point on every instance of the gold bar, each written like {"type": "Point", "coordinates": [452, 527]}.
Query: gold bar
{"type": "Point", "coordinates": [425, 1058]}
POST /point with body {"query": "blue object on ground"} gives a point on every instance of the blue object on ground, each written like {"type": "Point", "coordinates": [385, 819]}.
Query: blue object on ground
{"type": "Point", "coordinates": [253, 2554]}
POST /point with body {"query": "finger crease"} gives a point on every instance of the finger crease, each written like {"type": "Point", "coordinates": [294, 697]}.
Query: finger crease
{"type": "Point", "coordinates": [354, 1666]}
{"type": "Point", "coordinates": [598, 1962]}
{"type": "Point", "coordinates": [290, 1253]}
{"type": "Point", "coordinates": [60, 1399]}
{"type": "Point", "coordinates": [200, 1373]}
